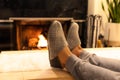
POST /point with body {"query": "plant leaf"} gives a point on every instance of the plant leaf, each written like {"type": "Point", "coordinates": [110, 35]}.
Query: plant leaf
{"type": "Point", "coordinates": [103, 7]}
{"type": "Point", "coordinates": [113, 10]}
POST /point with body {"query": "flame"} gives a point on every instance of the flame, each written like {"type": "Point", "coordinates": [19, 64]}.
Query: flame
{"type": "Point", "coordinates": [42, 41]}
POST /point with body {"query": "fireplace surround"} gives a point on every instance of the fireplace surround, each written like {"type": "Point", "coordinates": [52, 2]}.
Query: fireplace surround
{"type": "Point", "coordinates": [6, 35]}
{"type": "Point", "coordinates": [28, 30]}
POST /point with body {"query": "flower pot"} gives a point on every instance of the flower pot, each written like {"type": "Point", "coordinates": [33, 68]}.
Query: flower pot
{"type": "Point", "coordinates": [112, 34]}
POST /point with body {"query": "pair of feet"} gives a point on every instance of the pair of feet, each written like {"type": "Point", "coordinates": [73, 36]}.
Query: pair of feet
{"type": "Point", "coordinates": [60, 48]}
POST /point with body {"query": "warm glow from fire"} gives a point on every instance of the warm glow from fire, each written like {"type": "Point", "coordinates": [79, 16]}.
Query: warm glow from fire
{"type": "Point", "coordinates": [42, 41]}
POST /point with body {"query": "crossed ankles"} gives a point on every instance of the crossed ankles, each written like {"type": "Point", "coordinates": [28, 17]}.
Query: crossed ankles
{"type": "Point", "coordinates": [60, 48]}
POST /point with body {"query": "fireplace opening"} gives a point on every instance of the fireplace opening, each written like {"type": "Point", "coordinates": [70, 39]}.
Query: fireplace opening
{"type": "Point", "coordinates": [32, 36]}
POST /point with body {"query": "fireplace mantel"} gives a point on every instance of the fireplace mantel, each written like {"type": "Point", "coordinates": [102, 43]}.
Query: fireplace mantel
{"type": "Point", "coordinates": [41, 19]}
{"type": "Point", "coordinates": [37, 21]}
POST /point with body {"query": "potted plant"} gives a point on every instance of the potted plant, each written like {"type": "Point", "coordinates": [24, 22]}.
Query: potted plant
{"type": "Point", "coordinates": [112, 33]}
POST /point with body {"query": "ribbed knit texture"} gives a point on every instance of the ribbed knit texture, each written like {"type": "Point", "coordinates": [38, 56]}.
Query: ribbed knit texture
{"type": "Point", "coordinates": [73, 36]}
{"type": "Point", "coordinates": [56, 39]}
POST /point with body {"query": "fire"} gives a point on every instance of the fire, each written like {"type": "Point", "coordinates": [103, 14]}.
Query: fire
{"type": "Point", "coordinates": [42, 41]}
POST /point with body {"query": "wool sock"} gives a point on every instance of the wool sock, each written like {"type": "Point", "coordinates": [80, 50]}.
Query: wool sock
{"type": "Point", "coordinates": [73, 36]}
{"type": "Point", "coordinates": [56, 42]}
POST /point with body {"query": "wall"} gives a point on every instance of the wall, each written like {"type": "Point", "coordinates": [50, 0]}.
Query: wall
{"type": "Point", "coordinates": [43, 8]}
{"type": "Point", "coordinates": [94, 7]}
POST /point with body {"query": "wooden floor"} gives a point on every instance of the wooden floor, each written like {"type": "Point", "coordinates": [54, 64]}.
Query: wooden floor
{"type": "Point", "coordinates": [47, 74]}
{"type": "Point", "coordinates": [34, 65]}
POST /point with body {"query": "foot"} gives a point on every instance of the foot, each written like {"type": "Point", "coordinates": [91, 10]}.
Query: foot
{"type": "Point", "coordinates": [63, 55]}
{"type": "Point", "coordinates": [56, 43]}
{"type": "Point", "coordinates": [74, 40]}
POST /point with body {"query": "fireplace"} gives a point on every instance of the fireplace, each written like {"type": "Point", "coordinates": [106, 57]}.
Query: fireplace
{"type": "Point", "coordinates": [31, 31]}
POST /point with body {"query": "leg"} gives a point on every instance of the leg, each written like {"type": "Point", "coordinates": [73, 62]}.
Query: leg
{"type": "Point", "coordinates": [108, 63]}
{"type": "Point", "coordinates": [80, 69]}
{"type": "Point", "coordinates": [83, 70]}
{"type": "Point", "coordinates": [74, 45]}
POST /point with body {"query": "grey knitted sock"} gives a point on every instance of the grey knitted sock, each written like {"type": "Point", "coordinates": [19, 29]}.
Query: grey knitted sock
{"type": "Point", "coordinates": [73, 36]}
{"type": "Point", "coordinates": [56, 41]}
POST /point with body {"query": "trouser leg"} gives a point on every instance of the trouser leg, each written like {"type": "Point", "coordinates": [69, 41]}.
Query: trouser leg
{"type": "Point", "coordinates": [83, 70]}
{"type": "Point", "coordinates": [112, 64]}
